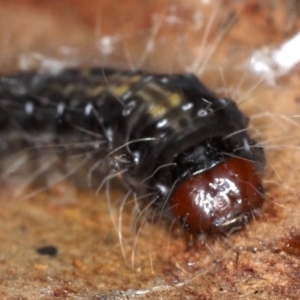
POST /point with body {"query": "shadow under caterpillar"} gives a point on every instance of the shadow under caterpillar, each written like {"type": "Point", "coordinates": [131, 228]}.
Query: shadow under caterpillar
{"type": "Point", "coordinates": [176, 145]}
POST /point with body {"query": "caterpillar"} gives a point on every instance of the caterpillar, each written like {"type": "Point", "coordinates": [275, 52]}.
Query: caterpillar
{"type": "Point", "coordinates": [176, 145]}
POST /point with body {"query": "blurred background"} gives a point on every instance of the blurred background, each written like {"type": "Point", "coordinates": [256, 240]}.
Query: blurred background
{"type": "Point", "coordinates": [238, 48]}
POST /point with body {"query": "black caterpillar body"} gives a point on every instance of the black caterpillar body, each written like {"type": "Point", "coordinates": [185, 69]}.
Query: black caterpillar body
{"type": "Point", "coordinates": [170, 139]}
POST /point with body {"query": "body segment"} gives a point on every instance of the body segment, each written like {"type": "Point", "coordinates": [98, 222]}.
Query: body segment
{"type": "Point", "coordinates": [164, 133]}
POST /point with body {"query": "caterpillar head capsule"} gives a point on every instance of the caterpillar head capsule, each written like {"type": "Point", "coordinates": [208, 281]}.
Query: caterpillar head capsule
{"type": "Point", "coordinates": [221, 199]}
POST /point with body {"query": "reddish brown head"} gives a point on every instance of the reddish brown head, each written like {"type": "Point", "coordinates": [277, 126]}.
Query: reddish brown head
{"type": "Point", "coordinates": [220, 199]}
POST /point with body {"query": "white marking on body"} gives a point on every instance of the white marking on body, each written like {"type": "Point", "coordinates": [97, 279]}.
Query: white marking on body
{"type": "Point", "coordinates": [60, 108]}
{"type": "Point", "coordinates": [88, 109]}
{"type": "Point", "coordinates": [29, 107]}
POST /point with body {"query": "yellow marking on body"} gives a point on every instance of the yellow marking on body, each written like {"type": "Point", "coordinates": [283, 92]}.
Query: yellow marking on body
{"type": "Point", "coordinates": [162, 102]}
{"type": "Point", "coordinates": [145, 96]}
{"type": "Point", "coordinates": [157, 111]}
{"type": "Point", "coordinates": [155, 87]}
{"type": "Point", "coordinates": [135, 78]}
{"type": "Point", "coordinates": [119, 90]}
{"type": "Point", "coordinates": [95, 91]}
{"type": "Point", "coordinates": [174, 100]}
{"type": "Point", "coordinates": [125, 86]}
